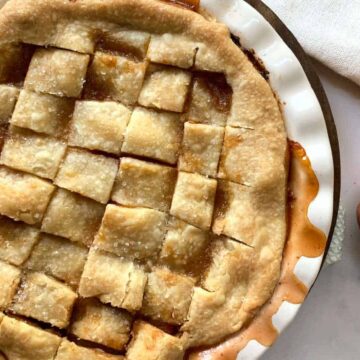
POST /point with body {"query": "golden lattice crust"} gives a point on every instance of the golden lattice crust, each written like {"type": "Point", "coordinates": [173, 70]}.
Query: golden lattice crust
{"type": "Point", "coordinates": [58, 257]}
{"type": "Point", "coordinates": [42, 113]}
{"type": "Point", "coordinates": [113, 280]}
{"type": "Point", "coordinates": [99, 125]}
{"type": "Point", "coordinates": [184, 246]}
{"type": "Point", "coordinates": [8, 97]}
{"type": "Point", "coordinates": [167, 296]}
{"type": "Point", "coordinates": [101, 324]}
{"type": "Point", "coordinates": [142, 181]}
{"type": "Point", "coordinates": [164, 347]}
{"type": "Point", "coordinates": [69, 350]}
{"type": "Point", "coordinates": [131, 233]}
{"type": "Point", "coordinates": [16, 241]}
{"type": "Point", "coordinates": [193, 199]}
{"type": "Point", "coordinates": [22, 196]}
{"type": "Point", "coordinates": [73, 216]}
{"type": "Point", "coordinates": [32, 153]}
{"type": "Point", "coordinates": [201, 149]}
{"type": "Point", "coordinates": [162, 138]}
{"type": "Point", "coordinates": [18, 340]}
{"type": "Point", "coordinates": [45, 299]}
{"type": "Point", "coordinates": [57, 72]}
{"type": "Point", "coordinates": [10, 279]}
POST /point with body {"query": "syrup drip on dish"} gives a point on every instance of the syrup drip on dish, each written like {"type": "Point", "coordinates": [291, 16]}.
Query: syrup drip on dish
{"type": "Point", "coordinates": [304, 239]}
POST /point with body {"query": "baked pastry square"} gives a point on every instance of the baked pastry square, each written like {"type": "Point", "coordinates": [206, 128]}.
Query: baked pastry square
{"type": "Point", "coordinates": [88, 174]}
{"type": "Point", "coordinates": [160, 141]}
{"type": "Point", "coordinates": [184, 247]}
{"type": "Point", "coordinates": [201, 149]}
{"type": "Point", "coordinates": [9, 280]}
{"type": "Point", "coordinates": [132, 233]}
{"type": "Point", "coordinates": [16, 241]}
{"type": "Point", "coordinates": [210, 100]}
{"type": "Point", "coordinates": [57, 72]}
{"type": "Point", "coordinates": [165, 88]}
{"type": "Point", "coordinates": [44, 299]}
{"type": "Point", "coordinates": [115, 77]}
{"type": "Point", "coordinates": [59, 258]}
{"type": "Point", "coordinates": [8, 98]}
{"type": "Point", "coordinates": [239, 161]}
{"type": "Point", "coordinates": [235, 214]}
{"type": "Point", "coordinates": [21, 341]}
{"type": "Point", "coordinates": [33, 153]}
{"type": "Point", "coordinates": [193, 199]}
{"type": "Point", "coordinates": [170, 49]}
{"type": "Point", "coordinates": [164, 348]}
{"type": "Point", "coordinates": [141, 183]}
{"type": "Point", "coordinates": [74, 35]}
{"type": "Point", "coordinates": [167, 296]}
{"type": "Point", "coordinates": [42, 113]}
{"type": "Point", "coordinates": [69, 350]}
{"type": "Point", "coordinates": [73, 216]}
{"type": "Point", "coordinates": [101, 324]}
{"type": "Point", "coordinates": [113, 280]}
{"type": "Point", "coordinates": [99, 125]}
{"type": "Point", "coordinates": [23, 197]}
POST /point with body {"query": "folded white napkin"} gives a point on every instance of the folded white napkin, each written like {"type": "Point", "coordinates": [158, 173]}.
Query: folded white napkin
{"type": "Point", "coordinates": [329, 30]}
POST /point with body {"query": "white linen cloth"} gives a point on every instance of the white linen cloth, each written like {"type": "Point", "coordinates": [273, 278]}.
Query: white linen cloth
{"type": "Point", "coordinates": [328, 30]}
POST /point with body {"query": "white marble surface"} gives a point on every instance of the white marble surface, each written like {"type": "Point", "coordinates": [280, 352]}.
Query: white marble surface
{"type": "Point", "coordinates": [328, 324]}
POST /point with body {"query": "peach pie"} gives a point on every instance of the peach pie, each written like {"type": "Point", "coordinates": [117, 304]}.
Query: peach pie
{"type": "Point", "coordinates": [142, 181]}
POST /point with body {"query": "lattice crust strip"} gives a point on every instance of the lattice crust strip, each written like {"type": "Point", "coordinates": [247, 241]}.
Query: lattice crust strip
{"type": "Point", "coordinates": [117, 190]}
